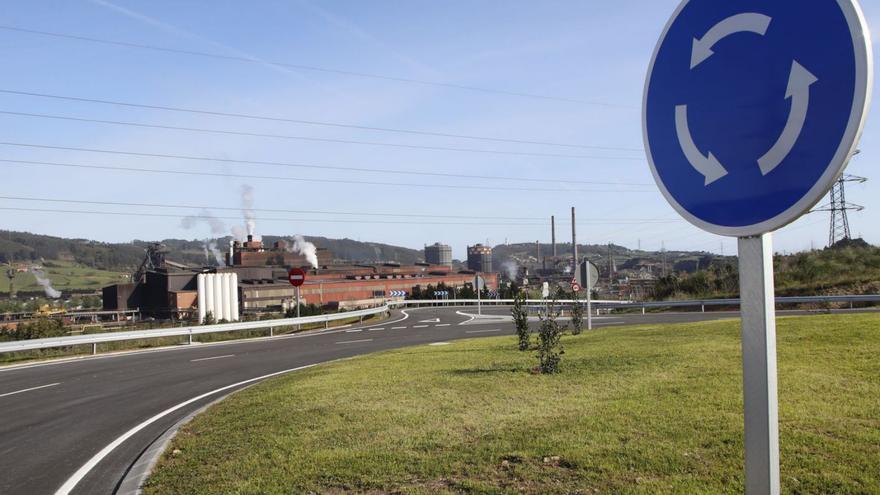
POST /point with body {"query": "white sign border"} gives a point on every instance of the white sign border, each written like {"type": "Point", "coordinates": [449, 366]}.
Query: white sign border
{"type": "Point", "coordinates": [864, 77]}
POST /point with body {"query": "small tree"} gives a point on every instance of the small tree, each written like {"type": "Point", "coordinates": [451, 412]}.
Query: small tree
{"type": "Point", "coordinates": [550, 349]}
{"type": "Point", "coordinates": [577, 314]}
{"type": "Point", "coordinates": [521, 320]}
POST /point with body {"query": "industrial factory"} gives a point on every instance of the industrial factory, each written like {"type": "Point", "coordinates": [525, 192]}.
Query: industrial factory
{"type": "Point", "coordinates": [255, 279]}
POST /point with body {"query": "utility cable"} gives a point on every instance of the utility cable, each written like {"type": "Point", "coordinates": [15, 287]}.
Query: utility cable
{"type": "Point", "coordinates": [217, 113]}
{"type": "Point", "coordinates": [323, 167]}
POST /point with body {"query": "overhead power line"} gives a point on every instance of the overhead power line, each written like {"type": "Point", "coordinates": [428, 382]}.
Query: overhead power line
{"type": "Point", "coordinates": [217, 113]}
{"type": "Point", "coordinates": [311, 68]}
{"type": "Point", "coordinates": [325, 167]}
{"type": "Point", "coordinates": [267, 219]}
{"type": "Point", "coordinates": [304, 138]}
{"type": "Point", "coordinates": [322, 181]}
{"type": "Point", "coordinates": [327, 212]}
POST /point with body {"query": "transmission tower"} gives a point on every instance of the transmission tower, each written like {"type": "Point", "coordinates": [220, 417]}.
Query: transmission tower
{"type": "Point", "coordinates": [839, 228]}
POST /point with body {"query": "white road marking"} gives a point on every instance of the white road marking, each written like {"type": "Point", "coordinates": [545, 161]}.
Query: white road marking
{"type": "Point", "coordinates": [397, 328]}
{"type": "Point", "coordinates": [354, 341]}
{"type": "Point", "coordinates": [84, 470]}
{"type": "Point", "coordinates": [484, 331]}
{"type": "Point", "coordinates": [356, 330]}
{"type": "Point", "coordinates": [440, 343]}
{"type": "Point", "coordinates": [472, 317]}
{"type": "Point", "coordinates": [214, 357]}
{"type": "Point", "coordinates": [420, 326]}
{"type": "Point", "coordinates": [29, 389]}
{"type": "Point", "coordinates": [375, 329]}
{"type": "Point", "coordinates": [433, 320]}
{"type": "Point", "coordinates": [443, 325]}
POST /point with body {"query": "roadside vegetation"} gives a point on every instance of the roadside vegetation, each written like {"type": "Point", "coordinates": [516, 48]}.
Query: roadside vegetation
{"type": "Point", "coordinates": [641, 410]}
{"type": "Point", "coordinates": [849, 267]}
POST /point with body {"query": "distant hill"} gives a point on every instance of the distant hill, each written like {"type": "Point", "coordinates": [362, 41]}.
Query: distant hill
{"type": "Point", "coordinates": [24, 247]}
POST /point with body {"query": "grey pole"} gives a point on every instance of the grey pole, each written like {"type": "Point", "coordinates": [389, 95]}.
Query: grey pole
{"type": "Point", "coordinates": [297, 305]}
{"type": "Point", "coordinates": [589, 294]}
{"type": "Point", "coordinates": [477, 285]}
{"type": "Point", "coordinates": [574, 243]}
{"type": "Point", "coordinates": [760, 404]}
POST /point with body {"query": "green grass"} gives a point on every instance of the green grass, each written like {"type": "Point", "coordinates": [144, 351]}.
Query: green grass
{"type": "Point", "coordinates": [644, 410]}
{"type": "Point", "coordinates": [65, 275]}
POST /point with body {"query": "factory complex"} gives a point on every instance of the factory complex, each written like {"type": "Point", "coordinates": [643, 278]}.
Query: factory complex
{"type": "Point", "coordinates": [255, 280]}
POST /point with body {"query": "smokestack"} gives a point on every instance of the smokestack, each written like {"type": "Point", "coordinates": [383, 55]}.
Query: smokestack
{"type": "Point", "coordinates": [574, 243]}
{"type": "Point", "coordinates": [250, 238]}
{"type": "Point", "coordinates": [538, 251]}
{"type": "Point", "coordinates": [553, 234]}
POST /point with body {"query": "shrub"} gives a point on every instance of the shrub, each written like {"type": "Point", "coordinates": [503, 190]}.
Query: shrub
{"type": "Point", "coordinates": [521, 321]}
{"type": "Point", "coordinates": [550, 349]}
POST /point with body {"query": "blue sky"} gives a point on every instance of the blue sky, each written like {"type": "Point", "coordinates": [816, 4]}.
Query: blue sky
{"type": "Point", "coordinates": [595, 53]}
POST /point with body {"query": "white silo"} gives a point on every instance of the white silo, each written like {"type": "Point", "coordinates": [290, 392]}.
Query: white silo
{"type": "Point", "coordinates": [200, 290]}
{"type": "Point", "coordinates": [234, 289]}
{"type": "Point", "coordinates": [227, 297]}
{"type": "Point", "coordinates": [209, 297]}
{"type": "Point", "coordinates": [218, 296]}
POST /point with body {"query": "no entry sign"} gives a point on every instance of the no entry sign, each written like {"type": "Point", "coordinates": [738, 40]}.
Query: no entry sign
{"type": "Point", "coordinates": [296, 276]}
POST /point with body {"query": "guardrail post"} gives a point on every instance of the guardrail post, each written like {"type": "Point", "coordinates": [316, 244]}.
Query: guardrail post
{"type": "Point", "coordinates": [190, 337]}
{"type": "Point", "coordinates": [326, 324]}
{"type": "Point", "coordinates": [271, 331]}
{"type": "Point", "coordinates": [643, 310]}
{"type": "Point", "coordinates": [702, 308]}
{"type": "Point", "coordinates": [94, 348]}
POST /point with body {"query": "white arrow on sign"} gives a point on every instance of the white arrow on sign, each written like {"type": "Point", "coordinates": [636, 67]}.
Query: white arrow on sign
{"type": "Point", "coordinates": [799, 82]}
{"type": "Point", "coordinates": [708, 166]}
{"type": "Point", "coordinates": [748, 22]}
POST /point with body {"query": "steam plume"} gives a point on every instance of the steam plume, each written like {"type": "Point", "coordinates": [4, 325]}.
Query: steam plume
{"type": "Point", "coordinates": [247, 209]}
{"type": "Point", "coordinates": [510, 269]}
{"type": "Point", "coordinates": [305, 248]}
{"type": "Point", "coordinates": [45, 283]}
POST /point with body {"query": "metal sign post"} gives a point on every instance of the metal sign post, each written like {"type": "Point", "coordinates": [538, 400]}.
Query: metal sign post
{"type": "Point", "coordinates": [589, 285]}
{"type": "Point", "coordinates": [747, 124]}
{"type": "Point", "coordinates": [297, 303]}
{"type": "Point", "coordinates": [760, 405]}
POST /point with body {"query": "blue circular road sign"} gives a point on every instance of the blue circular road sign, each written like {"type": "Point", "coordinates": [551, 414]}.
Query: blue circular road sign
{"type": "Point", "coordinates": [753, 108]}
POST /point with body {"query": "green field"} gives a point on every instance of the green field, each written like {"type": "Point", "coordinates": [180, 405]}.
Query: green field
{"type": "Point", "coordinates": [65, 275]}
{"type": "Point", "coordinates": [650, 409]}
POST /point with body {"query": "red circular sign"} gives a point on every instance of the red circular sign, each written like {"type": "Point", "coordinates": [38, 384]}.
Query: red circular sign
{"type": "Point", "coordinates": [296, 276]}
{"type": "Point", "coordinates": [575, 286]}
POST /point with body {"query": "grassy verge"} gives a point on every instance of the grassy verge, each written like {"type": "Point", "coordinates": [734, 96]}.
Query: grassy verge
{"type": "Point", "coordinates": [652, 409]}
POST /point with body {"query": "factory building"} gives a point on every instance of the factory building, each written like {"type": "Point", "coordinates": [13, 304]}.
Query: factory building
{"type": "Point", "coordinates": [257, 281]}
{"type": "Point", "coordinates": [438, 254]}
{"type": "Point", "coordinates": [479, 258]}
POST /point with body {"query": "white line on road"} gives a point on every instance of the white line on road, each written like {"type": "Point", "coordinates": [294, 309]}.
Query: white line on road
{"type": "Point", "coordinates": [484, 331]}
{"type": "Point", "coordinates": [29, 389]}
{"type": "Point", "coordinates": [355, 330]}
{"type": "Point", "coordinates": [443, 325]}
{"type": "Point", "coordinates": [439, 343]}
{"type": "Point", "coordinates": [210, 358]}
{"type": "Point", "coordinates": [420, 326]}
{"type": "Point", "coordinates": [81, 473]}
{"type": "Point", "coordinates": [375, 329]}
{"type": "Point", "coordinates": [397, 328]}
{"type": "Point", "coordinates": [354, 341]}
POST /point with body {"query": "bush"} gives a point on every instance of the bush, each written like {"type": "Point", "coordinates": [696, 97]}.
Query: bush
{"type": "Point", "coordinates": [577, 314]}
{"type": "Point", "coordinates": [550, 349]}
{"type": "Point", "coordinates": [521, 321]}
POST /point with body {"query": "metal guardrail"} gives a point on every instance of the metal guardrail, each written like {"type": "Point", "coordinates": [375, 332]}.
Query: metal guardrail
{"type": "Point", "coordinates": [99, 338]}
{"type": "Point", "coordinates": [605, 304]}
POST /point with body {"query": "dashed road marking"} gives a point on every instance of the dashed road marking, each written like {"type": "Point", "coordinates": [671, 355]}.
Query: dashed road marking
{"type": "Point", "coordinates": [29, 389]}
{"type": "Point", "coordinates": [354, 341]}
{"type": "Point", "coordinates": [397, 328]}
{"type": "Point", "coordinates": [443, 325]}
{"type": "Point", "coordinates": [420, 326]}
{"type": "Point", "coordinates": [213, 357]}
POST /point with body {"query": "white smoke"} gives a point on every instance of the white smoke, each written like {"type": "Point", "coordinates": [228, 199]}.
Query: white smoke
{"type": "Point", "coordinates": [510, 269]}
{"type": "Point", "coordinates": [45, 283]}
{"type": "Point", "coordinates": [247, 209]}
{"type": "Point", "coordinates": [217, 227]}
{"type": "Point", "coordinates": [305, 248]}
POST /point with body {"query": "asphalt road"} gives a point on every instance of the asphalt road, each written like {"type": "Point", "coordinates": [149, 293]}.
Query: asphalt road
{"type": "Point", "coordinates": [56, 417]}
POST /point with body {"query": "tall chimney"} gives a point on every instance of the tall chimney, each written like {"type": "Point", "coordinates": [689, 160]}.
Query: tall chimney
{"type": "Point", "coordinates": [574, 243]}
{"type": "Point", "coordinates": [538, 251]}
{"type": "Point", "coordinates": [553, 234]}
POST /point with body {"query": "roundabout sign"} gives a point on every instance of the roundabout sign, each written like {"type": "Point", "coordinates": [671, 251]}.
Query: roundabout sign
{"type": "Point", "coordinates": [752, 109]}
